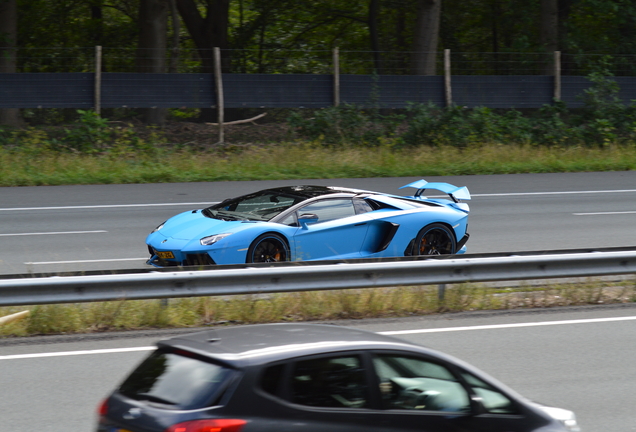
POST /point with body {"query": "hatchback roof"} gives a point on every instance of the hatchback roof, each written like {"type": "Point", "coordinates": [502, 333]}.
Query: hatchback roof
{"type": "Point", "coordinates": [270, 342]}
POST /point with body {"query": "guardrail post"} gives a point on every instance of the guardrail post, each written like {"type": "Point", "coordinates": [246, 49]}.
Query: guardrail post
{"type": "Point", "coordinates": [441, 291]}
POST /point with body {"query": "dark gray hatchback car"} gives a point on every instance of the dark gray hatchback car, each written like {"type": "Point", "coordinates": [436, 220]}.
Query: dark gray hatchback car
{"type": "Point", "coordinates": [314, 378]}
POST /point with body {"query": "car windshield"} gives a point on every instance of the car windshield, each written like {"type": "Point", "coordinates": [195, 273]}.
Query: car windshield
{"type": "Point", "coordinates": [176, 380]}
{"type": "Point", "coordinates": [259, 206]}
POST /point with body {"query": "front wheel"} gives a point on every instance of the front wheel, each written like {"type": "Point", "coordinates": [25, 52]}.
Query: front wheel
{"type": "Point", "coordinates": [435, 239]}
{"type": "Point", "coordinates": [268, 248]}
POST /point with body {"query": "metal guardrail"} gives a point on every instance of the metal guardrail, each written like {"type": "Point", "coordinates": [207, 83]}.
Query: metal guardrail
{"type": "Point", "coordinates": [259, 280]}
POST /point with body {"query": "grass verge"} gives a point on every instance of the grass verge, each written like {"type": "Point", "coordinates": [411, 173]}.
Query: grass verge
{"type": "Point", "coordinates": [305, 306]}
{"type": "Point", "coordinates": [302, 160]}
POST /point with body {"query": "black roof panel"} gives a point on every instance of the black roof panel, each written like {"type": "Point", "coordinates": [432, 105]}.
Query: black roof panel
{"type": "Point", "coordinates": [270, 342]}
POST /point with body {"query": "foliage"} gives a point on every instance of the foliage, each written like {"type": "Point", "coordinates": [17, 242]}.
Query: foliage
{"type": "Point", "coordinates": [604, 120]}
{"type": "Point", "coordinates": [346, 124]}
{"type": "Point", "coordinates": [274, 36]}
{"type": "Point", "coordinates": [305, 306]}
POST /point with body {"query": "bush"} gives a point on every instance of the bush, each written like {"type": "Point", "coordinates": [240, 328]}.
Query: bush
{"type": "Point", "coordinates": [603, 120]}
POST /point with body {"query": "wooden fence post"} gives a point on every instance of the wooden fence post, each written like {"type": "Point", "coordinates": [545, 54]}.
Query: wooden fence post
{"type": "Point", "coordinates": [557, 75]}
{"type": "Point", "coordinates": [447, 79]}
{"type": "Point", "coordinates": [336, 77]}
{"type": "Point", "coordinates": [98, 80]}
{"type": "Point", "coordinates": [218, 79]}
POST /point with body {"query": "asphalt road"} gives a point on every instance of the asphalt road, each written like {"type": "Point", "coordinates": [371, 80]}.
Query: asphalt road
{"type": "Point", "coordinates": [576, 358]}
{"type": "Point", "coordinates": [583, 362]}
{"type": "Point", "coordinates": [103, 227]}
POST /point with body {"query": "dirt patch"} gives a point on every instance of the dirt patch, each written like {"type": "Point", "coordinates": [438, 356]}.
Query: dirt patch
{"type": "Point", "coordinates": [201, 134]}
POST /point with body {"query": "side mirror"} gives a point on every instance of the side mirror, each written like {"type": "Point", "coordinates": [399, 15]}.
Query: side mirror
{"type": "Point", "coordinates": [477, 405]}
{"type": "Point", "coordinates": [307, 218]}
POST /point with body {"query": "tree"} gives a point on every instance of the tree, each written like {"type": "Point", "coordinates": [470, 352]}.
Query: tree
{"type": "Point", "coordinates": [8, 57]}
{"type": "Point", "coordinates": [207, 31]}
{"type": "Point", "coordinates": [151, 51]}
{"type": "Point", "coordinates": [426, 37]}
{"type": "Point", "coordinates": [549, 30]}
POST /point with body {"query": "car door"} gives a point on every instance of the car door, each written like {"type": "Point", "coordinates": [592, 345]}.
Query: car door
{"type": "Point", "coordinates": [422, 394]}
{"type": "Point", "coordinates": [330, 228]}
{"type": "Point", "coordinates": [324, 393]}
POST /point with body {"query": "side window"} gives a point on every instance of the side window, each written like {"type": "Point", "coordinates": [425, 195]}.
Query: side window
{"type": "Point", "coordinates": [290, 221]}
{"type": "Point", "coordinates": [416, 384]}
{"type": "Point", "coordinates": [330, 209]}
{"type": "Point", "coordinates": [362, 206]}
{"type": "Point", "coordinates": [492, 399]}
{"type": "Point", "coordinates": [330, 382]}
{"type": "Point", "coordinates": [272, 378]}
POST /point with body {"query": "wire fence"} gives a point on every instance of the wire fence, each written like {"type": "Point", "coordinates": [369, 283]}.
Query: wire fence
{"type": "Point", "coordinates": [278, 61]}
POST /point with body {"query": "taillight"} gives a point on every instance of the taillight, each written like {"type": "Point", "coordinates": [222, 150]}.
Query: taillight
{"type": "Point", "coordinates": [102, 409]}
{"type": "Point", "coordinates": [210, 425]}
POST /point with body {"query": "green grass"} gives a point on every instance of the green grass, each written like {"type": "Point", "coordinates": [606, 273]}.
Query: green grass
{"type": "Point", "coordinates": [304, 306]}
{"type": "Point", "coordinates": [288, 161]}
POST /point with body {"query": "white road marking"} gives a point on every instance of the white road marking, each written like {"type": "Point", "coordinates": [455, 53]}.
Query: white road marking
{"type": "Point", "coordinates": [554, 193]}
{"type": "Point", "coordinates": [52, 233]}
{"type": "Point", "coordinates": [74, 353]}
{"type": "Point", "coordinates": [206, 204]}
{"type": "Point", "coordinates": [86, 261]}
{"type": "Point", "coordinates": [397, 332]}
{"type": "Point", "coordinates": [605, 213]}
{"type": "Point", "coordinates": [506, 326]}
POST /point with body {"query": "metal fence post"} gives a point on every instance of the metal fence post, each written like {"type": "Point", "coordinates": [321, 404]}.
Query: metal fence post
{"type": "Point", "coordinates": [447, 78]}
{"type": "Point", "coordinates": [98, 79]}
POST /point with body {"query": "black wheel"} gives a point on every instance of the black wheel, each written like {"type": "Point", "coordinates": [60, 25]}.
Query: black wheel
{"type": "Point", "coordinates": [268, 248]}
{"type": "Point", "coordinates": [435, 239]}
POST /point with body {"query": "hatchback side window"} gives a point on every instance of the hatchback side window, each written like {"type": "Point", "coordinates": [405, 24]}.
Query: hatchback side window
{"type": "Point", "coordinates": [272, 378]}
{"type": "Point", "coordinates": [416, 384]}
{"type": "Point", "coordinates": [492, 399]}
{"type": "Point", "coordinates": [330, 382]}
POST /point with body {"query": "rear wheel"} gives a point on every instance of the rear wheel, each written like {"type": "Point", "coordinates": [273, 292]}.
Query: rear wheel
{"type": "Point", "coordinates": [435, 239]}
{"type": "Point", "coordinates": [268, 248]}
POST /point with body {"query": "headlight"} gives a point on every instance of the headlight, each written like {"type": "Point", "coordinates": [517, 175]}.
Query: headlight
{"type": "Point", "coordinates": [207, 241]}
{"type": "Point", "coordinates": [159, 227]}
{"type": "Point", "coordinates": [566, 417]}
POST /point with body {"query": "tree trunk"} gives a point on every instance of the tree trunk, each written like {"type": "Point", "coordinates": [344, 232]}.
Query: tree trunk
{"type": "Point", "coordinates": [374, 9]}
{"type": "Point", "coordinates": [8, 58]}
{"type": "Point", "coordinates": [176, 29]}
{"type": "Point", "coordinates": [151, 53]}
{"type": "Point", "coordinates": [565, 7]}
{"type": "Point", "coordinates": [426, 37]}
{"type": "Point", "coordinates": [207, 33]}
{"type": "Point", "coordinates": [549, 31]}
{"type": "Point", "coordinates": [97, 16]}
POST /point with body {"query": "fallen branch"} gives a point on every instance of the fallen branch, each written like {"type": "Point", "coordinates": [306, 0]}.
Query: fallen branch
{"type": "Point", "coordinates": [14, 317]}
{"type": "Point", "coordinates": [240, 121]}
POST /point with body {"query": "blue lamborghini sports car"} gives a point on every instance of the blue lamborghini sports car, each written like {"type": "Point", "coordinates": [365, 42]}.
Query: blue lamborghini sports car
{"type": "Point", "coordinates": [303, 223]}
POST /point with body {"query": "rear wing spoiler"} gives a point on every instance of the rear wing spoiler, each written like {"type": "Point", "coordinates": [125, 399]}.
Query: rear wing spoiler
{"type": "Point", "coordinates": [456, 193]}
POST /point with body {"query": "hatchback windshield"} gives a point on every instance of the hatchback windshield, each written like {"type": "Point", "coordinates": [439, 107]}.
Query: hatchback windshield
{"type": "Point", "coordinates": [260, 206]}
{"type": "Point", "coordinates": [176, 380]}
